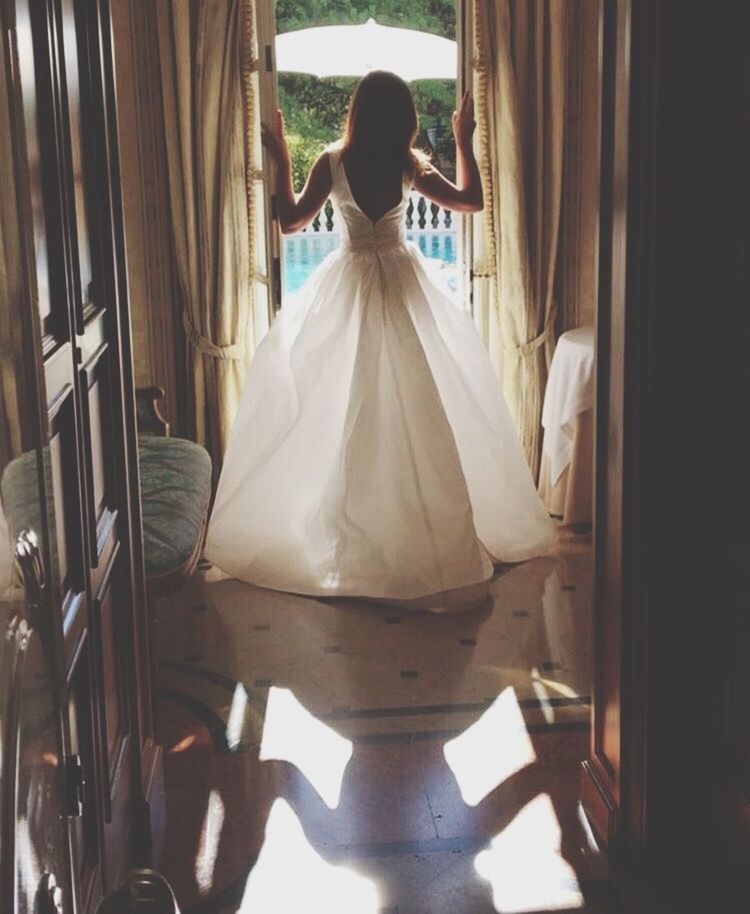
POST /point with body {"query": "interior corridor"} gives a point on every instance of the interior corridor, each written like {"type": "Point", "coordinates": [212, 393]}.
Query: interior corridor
{"type": "Point", "coordinates": [344, 757]}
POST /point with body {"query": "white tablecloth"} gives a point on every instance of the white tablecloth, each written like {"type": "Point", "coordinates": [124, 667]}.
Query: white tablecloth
{"type": "Point", "coordinates": [570, 392]}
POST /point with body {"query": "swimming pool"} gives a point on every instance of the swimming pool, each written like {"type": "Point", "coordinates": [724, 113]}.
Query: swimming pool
{"type": "Point", "coordinates": [303, 252]}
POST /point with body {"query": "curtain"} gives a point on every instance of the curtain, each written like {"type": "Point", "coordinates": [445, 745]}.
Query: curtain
{"type": "Point", "coordinates": [519, 85]}
{"type": "Point", "coordinates": [206, 53]}
{"type": "Point", "coordinates": [159, 349]}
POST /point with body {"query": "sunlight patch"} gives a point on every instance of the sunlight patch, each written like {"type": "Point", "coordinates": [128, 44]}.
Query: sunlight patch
{"type": "Point", "coordinates": [290, 876]}
{"type": "Point", "coordinates": [524, 866]}
{"type": "Point", "coordinates": [292, 734]}
{"type": "Point", "coordinates": [540, 690]}
{"type": "Point", "coordinates": [208, 850]}
{"type": "Point", "coordinates": [237, 713]}
{"type": "Point", "coordinates": [490, 750]}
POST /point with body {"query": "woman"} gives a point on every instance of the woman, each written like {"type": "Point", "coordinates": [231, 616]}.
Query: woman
{"type": "Point", "coordinates": [373, 453]}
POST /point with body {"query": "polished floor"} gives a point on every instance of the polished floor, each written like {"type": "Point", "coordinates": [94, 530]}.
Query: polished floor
{"type": "Point", "coordinates": [339, 756]}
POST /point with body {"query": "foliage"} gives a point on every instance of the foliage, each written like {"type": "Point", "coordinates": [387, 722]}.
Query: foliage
{"type": "Point", "coordinates": [315, 109]}
{"type": "Point", "coordinates": [437, 16]}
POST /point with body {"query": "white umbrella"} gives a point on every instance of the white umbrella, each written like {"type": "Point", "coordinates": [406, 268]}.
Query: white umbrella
{"type": "Point", "coordinates": [353, 50]}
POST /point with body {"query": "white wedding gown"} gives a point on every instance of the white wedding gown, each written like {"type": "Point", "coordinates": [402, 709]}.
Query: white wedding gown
{"type": "Point", "coordinates": [373, 453]}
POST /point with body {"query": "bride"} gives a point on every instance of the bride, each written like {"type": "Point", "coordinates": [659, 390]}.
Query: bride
{"type": "Point", "coordinates": [373, 453]}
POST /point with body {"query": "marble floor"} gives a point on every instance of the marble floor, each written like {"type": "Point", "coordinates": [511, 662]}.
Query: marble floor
{"type": "Point", "coordinates": [340, 756]}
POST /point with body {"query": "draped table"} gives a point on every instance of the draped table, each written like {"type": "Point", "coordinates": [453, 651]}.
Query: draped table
{"type": "Point", "coordinates": [566, 473]}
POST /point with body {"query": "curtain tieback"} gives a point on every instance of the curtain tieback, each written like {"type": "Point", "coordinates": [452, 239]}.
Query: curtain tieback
{"type": "Point", "coordinates": [231, 352]}
{"type": "Point", "coordinates": [523, 350]}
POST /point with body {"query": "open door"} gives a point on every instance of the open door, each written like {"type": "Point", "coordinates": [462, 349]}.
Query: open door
{"type": "Point", "coordinates": [261, 71]}
{"type": "Point", "coordinates": [268, 233]}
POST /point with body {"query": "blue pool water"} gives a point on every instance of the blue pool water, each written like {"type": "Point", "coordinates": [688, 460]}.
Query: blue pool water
{"type": "Point", "coordinates": [303, 252]}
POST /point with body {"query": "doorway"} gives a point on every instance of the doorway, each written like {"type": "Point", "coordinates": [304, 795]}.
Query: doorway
{"type": "Point", "coordinates": [313, 89]}
{"type": "Point", "coordinates": [372, 750]}
{"type": "Point", "coordinates": [393, 761]}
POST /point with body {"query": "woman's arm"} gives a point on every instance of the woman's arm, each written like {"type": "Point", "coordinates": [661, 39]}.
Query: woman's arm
{"type": "Point", "coordinates": [466, 195]}
{"type": "Point", "coordinates": [295, 213]}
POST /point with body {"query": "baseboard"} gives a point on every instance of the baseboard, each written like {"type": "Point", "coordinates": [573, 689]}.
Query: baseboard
{"type": "Point", "coordinates": [598, 805]}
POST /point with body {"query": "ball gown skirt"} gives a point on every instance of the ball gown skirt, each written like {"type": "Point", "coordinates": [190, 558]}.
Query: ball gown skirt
{"type": "Point", "coordinates": [373, 453]}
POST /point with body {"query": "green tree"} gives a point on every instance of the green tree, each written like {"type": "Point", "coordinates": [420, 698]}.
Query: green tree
{"type": "Point", "coordinates": [315, 109]}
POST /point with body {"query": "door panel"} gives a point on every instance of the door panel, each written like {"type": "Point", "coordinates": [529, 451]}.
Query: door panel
{"type": "Point", "coordinates": [34, 840]}
{"type": "Point", "coordinates": [65, 104]}
{"type": "Point", "coordinates": [85, 828]}
{"type": "Point", "coordinates": [602, 786]}
{"type": "Point", "coordinates": [73, 35]}
{"type": "Point", "coordinates": [65, 510]}
{"type": "Point", "coordinates": [34, 29]}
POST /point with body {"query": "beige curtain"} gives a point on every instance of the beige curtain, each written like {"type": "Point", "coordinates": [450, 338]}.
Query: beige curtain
{"type": "Point", "coordinates": [520, 88]}
{"type": "Point", "coordinates": [206, 53]}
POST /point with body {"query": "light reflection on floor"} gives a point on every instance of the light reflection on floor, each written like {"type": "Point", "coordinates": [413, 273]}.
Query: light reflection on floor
{"type": "Point", "coordinates": [525, 867]}
{"type": "Point", "coordinates": [404, 762]}
{"type": "Point", "coordinates": [290, 876]}
{"type": "Point", "coordinates": [205, 861]}
{"type": "Point", "coordinates": [291, 734]}
{"type": "Point", "coordinates": [490, 751]}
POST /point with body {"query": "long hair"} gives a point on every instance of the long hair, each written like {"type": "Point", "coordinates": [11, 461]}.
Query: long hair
{"type": "Point", "coordinates": [382, 125]}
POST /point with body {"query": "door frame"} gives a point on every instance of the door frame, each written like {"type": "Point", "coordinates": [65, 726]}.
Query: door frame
{"type": "Point", "coordinates": [602, 775]}
{"type": "Point", "coordinates": [265, 19]}
{"type": "Point", "coordinates": [674, 241]}
{"type": "Point", "coordinates": [265, 22]}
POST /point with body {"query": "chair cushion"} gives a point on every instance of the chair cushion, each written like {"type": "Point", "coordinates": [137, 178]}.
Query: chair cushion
{"type": "Point", "coordinates": [22, 509]}
{"type": "Point", "coordinates": [175, 492]}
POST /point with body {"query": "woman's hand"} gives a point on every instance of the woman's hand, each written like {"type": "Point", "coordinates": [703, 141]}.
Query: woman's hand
{"type": "Point", "coordinates": [465, 196]}
{"type": "Point", "coordinates": [275, 142]}
{"type": "Point", "coordinates": [463, 122]}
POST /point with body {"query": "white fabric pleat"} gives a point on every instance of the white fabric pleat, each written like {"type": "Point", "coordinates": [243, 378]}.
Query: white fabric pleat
{"type": "Point", "coordinates": [373, 453]}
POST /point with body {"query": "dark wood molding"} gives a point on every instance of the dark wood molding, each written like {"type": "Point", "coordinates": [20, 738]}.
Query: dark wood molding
{"type": "Point", "coordinates": [77, 346]}
{"type": "Point", "coordinates": [602, 773]}
{"type": "Point", "coordinates": [601, 809]}
{"type": "Point", "coordinates": [671, 647]}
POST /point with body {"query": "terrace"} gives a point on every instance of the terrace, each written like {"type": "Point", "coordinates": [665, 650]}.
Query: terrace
{"type": "Point", "coordinates": [317, 68]}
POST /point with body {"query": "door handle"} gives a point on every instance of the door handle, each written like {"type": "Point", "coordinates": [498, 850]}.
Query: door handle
{"type": "Point", "coordinates": [50, 896]}
{"type": "Point", "coordinates": [143, 892]}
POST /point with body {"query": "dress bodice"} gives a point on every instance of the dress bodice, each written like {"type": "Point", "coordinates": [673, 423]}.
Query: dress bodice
{"type": "Point", "coordinates": [358, 232]}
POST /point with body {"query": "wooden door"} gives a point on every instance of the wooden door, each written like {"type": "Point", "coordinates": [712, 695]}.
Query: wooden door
{"type": "Point", "coordinates": [100, 454]}
{"type": "Point", "coordinates": [35, 871]}
{"type": "Point", "coordinates": [602, 780]}
{"type": "Point", "coordinates": [666, 785]}
{"type": "Point", "coordinates": [66, 103]}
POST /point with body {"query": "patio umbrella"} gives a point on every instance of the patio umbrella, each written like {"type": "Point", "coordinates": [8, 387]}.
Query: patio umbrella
{"type": "Point", "coordinates": [353, 50]}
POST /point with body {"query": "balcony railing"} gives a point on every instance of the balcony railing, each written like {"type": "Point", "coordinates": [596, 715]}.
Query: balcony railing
{"type": "Point", "coordinates": [421, 216]}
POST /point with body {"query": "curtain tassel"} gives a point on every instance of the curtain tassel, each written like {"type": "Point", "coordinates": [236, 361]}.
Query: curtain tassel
{"type": "Point", "coordinates": [230, 352]}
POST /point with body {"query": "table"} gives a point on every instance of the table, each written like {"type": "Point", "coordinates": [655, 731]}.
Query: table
{"type": "Point", "coordinates": [566, 478]}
